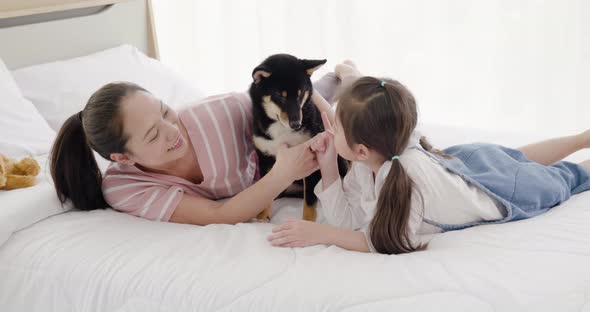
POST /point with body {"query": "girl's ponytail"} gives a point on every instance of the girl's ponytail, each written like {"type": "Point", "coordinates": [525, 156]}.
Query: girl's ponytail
{"type": "Point", "coordinates": [389, 227]}
{"type": "Point", "coordinates": [428, 147]}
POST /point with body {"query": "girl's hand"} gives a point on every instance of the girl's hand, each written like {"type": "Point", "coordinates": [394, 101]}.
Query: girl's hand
{"type": "Point", "coordinates": [323, 145]}
{"type": "Point", "coordinates": [320, 142]}
{"type": "Point", "coordinates": [297, 233]}
{"type": "Point", "coordinates": [322, 104]}
{"type": "Point", "coordinates": [295, 163]}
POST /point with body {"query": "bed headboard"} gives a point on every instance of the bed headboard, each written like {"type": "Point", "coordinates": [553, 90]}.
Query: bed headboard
{"type": "Point", "coordinates": [40, 31]}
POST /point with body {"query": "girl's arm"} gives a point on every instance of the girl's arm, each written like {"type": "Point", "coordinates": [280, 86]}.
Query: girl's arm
{"type": "Point", "coordinates": [323, 105]}
{"type": "Point", "coordinates": [347, 239]}
{"type": "Point", "coordinates": [340, 199]}
{"type": "Point", "coordinates": [301, 233]}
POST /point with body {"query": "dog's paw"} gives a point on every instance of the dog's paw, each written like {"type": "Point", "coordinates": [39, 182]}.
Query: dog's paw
{"type": "Point", "coordinates": [256, 220]}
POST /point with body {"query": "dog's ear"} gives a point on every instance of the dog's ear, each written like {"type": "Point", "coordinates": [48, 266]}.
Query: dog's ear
{"type": "Point", "coordinates": [260, 72]}
{"type": "Point", "coordinates": [312, 65]}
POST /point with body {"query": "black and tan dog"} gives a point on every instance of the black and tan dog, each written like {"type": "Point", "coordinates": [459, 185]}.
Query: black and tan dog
{"type": "Point", "coordinates": [283, 113]}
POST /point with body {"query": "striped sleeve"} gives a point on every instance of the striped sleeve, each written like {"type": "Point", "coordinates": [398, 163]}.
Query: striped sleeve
{"type": "Point", "coordinates": [245, 110]}
{"type": "Point", "coordinates": [149, 200]}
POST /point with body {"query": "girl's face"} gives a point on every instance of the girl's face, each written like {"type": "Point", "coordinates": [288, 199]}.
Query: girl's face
{"type": "Point", "coordinates": [156, 136]}
{"type": "Point", "coordinates": [358, 152]}
{"type": "Point", "coordinates": [340, 143]}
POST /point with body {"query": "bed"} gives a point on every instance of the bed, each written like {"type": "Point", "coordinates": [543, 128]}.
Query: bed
{"type": "Point", "coordinates": [55, 259]}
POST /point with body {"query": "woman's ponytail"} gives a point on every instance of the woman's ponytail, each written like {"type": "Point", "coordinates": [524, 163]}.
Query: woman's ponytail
{"type": "Point", "coordinates": [74, 170]}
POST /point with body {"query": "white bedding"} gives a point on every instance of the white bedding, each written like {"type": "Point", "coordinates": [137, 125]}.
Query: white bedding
{"type": "Point", "coordinates": [109, 261]}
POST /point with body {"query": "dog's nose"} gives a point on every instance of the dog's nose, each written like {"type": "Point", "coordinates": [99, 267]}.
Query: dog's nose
{"type": "Point", "coordinates": [295, 125]}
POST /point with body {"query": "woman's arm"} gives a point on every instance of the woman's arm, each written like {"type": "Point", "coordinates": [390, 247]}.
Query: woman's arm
{"type": "Point", "coordinates": [292, 164]}
{"type": "Point", "coordinates": [240, 208]}
{"type": "Point", "coordinates": [301, 233]}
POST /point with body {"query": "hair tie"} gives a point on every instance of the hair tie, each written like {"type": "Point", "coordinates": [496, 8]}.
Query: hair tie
{"type": "Point", "coordinates": [382, 84]}
{"type": "Point", "coordinates": [394, 158]}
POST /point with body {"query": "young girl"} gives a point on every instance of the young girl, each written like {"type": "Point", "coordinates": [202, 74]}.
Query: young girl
{"type": "Point", "coordinates": [400, 189]}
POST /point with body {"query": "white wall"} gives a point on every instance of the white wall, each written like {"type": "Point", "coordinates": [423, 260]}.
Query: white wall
{"type": "Point", "coordinates": [515, 65]}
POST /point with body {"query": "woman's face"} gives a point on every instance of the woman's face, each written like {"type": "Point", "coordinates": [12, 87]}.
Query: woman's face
{"type": "Point", "coordinates": [155, 139]}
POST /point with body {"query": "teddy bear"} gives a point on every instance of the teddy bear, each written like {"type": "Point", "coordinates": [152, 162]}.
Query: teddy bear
{"type": "Point", "coordinates": [15, 175]}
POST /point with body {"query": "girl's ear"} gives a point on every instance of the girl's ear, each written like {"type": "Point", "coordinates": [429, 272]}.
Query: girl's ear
{"type": "Point", "coordinates": [361, 152]}
{"type": "Point", "coordinates": [122, 159]}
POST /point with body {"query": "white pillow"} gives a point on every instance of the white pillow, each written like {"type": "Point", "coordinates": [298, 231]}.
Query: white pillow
{"type": "Point", "coordinates": [62, 88]}
{"type": "Point", "coordinates": [23, 131]}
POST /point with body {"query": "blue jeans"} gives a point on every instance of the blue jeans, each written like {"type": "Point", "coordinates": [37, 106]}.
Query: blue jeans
{"type": "Point", "coordinates": [524, 187]}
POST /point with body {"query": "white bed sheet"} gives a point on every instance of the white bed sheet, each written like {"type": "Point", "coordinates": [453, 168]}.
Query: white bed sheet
{"type": "Point", "coordinates": [109, 261]}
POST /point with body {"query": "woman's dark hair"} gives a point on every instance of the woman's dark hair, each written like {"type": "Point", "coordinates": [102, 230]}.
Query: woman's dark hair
{"type": "Point", "coordinates": [387, 108]}
{"type": "Point", "coordinates": [97, 127]}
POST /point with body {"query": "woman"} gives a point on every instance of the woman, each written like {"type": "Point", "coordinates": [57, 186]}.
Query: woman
{"type": "Point", "coordinates": [170, 166]}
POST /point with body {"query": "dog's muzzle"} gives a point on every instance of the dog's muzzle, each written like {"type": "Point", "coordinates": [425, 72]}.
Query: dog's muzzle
{"type": "Point", "coordinates": [295, 125]}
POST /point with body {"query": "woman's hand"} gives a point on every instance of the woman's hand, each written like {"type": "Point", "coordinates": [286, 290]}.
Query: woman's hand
{"type": "Point", "coordinates": [295, 163]}
{"type": "Point", "coordinates": [297, 233]}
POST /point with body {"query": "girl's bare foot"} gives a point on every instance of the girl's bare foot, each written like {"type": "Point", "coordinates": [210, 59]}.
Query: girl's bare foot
{"type": "Point", "coordinates": [345, 69]}
{"type": "Point", "coordinates": [585, 138]}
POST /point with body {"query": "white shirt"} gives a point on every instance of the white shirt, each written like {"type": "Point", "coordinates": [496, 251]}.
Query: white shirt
{"type": "Point", "coordinates": [448, 199]}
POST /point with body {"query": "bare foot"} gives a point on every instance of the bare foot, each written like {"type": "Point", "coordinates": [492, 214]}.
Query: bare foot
{"type": "Point", "coordinates": [585, 137]}
{"type": "Point", "coordinates": [349, 63]}
{"type": "Point", "coordinates": [346, 69]}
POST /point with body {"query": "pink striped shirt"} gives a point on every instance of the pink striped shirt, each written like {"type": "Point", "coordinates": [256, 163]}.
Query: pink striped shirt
{"type": "Point", "coordinates": [219, 128]}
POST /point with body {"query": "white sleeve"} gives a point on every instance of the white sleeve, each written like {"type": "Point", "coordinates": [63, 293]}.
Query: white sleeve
{"type": "Point", "coordinates": [369, 243]}
{"type": "Point", "coordinates": [340, 202]}
{"type": "Point", "coordinates": [415, 219]}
